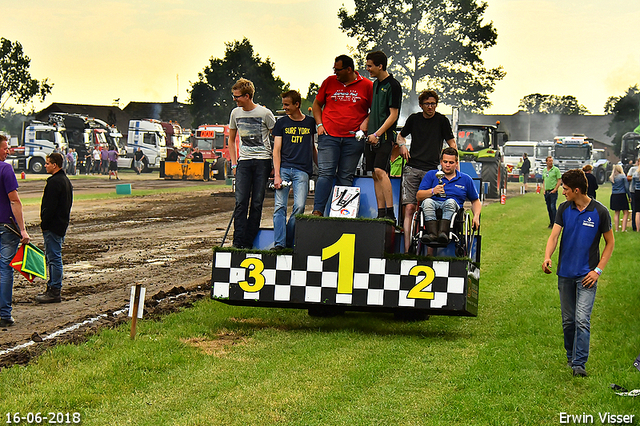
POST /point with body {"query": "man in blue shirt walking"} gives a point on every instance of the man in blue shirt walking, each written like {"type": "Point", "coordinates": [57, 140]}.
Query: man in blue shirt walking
{"type": "Point", "coordinates": [582, 222]}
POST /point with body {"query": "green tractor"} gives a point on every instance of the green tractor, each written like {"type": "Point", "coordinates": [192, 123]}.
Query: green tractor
{"type": "Point", "coordinates": [479, 145]}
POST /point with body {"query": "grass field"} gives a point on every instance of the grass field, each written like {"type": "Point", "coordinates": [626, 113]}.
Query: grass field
{"type": "Point", "coordinates": [215, 364]}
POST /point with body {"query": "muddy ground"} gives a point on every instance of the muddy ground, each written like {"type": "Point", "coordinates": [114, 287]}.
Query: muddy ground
{"type": "Point", "coordinates": [161, 241]}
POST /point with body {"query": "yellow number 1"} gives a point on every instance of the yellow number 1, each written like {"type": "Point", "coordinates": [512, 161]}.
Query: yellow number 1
{"type": "Point", "coordinates": [345, 248]}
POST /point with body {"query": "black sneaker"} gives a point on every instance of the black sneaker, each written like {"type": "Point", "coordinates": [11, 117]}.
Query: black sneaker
{"type": "Point", "coordinates": [579, 371]}
{"type": "Point", "coordinates": [7, 322]}
{"type": "Point", "coordinates": [277, 248]}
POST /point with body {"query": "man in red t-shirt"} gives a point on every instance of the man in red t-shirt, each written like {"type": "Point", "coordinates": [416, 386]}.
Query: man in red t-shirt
{"type": "Point", "coordinates": [340, 109]}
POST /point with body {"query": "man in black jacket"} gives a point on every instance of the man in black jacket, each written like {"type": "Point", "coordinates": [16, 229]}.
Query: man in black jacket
{"type": "Point", "coordinates": [525, 169]}
{"type": "Point", "coordinates": [54, 213]}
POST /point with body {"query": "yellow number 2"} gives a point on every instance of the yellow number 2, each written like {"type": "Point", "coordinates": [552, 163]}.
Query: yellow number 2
{"type": "Point", "coordinates": [254, 267]}
{"type": "Point", "coordinates": [416, 292]}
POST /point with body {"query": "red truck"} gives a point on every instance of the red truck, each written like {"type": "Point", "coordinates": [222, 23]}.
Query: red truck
{"type": "Point", "coordinates": [213, 141]}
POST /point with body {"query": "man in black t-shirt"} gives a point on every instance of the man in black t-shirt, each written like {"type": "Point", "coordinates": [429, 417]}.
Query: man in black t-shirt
{"type": "Point", "coordinates": [173, 155]}
{"type": "Point", "coordinates": [196, 156]}
{"type": "Point", "coordinates": [525, 169]}
{"type": "Point", "coordinates": [428, 130]}
{"type": "Point", "coordinates": [294, 153]}
{"type": "Point", "coordinates": [137, 157]}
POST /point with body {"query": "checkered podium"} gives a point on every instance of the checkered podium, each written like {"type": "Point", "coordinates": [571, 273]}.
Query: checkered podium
{"type": "Point", "coordinates": [349, 264]}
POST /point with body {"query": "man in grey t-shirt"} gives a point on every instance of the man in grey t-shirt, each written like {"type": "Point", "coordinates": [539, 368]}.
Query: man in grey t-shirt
{"type": "Point", "coordinates": [252, 124]}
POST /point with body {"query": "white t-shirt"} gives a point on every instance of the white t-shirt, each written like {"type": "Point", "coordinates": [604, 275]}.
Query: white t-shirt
{"type": "Point", "coordinates": [630, 173]}
{"type": "Point", "coordinates": [254, 129]}
{"type": "Point", "coordinates": [96, 155]}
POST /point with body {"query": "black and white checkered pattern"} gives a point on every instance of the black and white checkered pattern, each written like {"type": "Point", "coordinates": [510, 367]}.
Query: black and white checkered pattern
{"type": "Point", "coordinates": [385, 284]}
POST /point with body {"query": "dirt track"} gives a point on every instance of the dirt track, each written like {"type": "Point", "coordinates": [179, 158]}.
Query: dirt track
{"type": "Point", "coordinates": [161, 241]}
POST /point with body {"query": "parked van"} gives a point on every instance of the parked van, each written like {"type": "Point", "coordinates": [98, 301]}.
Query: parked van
{"type": "Point", "coordinates": [513, 151]}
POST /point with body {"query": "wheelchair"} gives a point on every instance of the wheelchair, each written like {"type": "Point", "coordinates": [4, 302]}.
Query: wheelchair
{"type": "Point", "coordinates": [461, 234]}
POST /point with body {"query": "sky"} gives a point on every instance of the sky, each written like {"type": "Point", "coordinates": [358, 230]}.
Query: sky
{"type": "Point", "coordinates": [151, 51]}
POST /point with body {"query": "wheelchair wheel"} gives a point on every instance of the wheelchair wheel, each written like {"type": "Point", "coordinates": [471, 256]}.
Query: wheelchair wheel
{"type": "Point", "coordinates": [467, 235]}
{"type": "Point", "coordinates": [416, 234]}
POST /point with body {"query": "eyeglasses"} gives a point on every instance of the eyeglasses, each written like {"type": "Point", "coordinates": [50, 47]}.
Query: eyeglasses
{"type": "Point", "coordinates": [237, 97]}
{"type": "Point", "coordinates": [335, 70]}
{"type": "Point", "coordinates": [429, 104]}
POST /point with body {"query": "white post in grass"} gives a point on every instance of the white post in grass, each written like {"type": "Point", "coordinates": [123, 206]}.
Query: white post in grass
{"type": "Point", "coordinates": [136, 306]}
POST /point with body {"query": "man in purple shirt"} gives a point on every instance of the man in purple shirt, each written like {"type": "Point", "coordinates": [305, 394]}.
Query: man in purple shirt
{"type": "Point", "coordinates": [10, 213]}
{"type": "Point", "coordinates": [113, 163]}
{"type": "Point", "coordinates": [104, 161]}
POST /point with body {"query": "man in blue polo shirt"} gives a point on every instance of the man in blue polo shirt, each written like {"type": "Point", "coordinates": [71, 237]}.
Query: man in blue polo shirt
{"type": "Point", "coordinates": [582, 221]}
{"type": "Point", "coordinates": [450, 195]}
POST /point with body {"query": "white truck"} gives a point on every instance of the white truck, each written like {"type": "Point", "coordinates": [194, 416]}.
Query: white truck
{"type": "Point", "coordinates": [149, 135]}
{"type": "Point", "coordinates": [572, 152]}
{"type": "Point", "coordinates": [513, 151]}
{"type": "Point", "coordinates": [39, 140]}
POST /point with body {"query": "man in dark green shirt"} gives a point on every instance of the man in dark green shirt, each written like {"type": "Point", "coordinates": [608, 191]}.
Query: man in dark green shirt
{"type": "Point", "coordinates": [385, 109]}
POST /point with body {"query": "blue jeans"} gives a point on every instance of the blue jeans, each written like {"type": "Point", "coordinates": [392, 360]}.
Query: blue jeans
{"type": "Point", "coordinates": [576, 303]}
{"type": "Point", "coordinates": [8, 248]}
{"type": "Point", "coordinates": [284, 231]}
{"type": "Point", "coordinates": [337, 158]}
{"type": "Point", "coordinates": [251, 182]}
{"type": "Point", "coordinates": [551, 198]}
{"type": "Point", "coordinates": [429, 206]}
{"type": "Point", "coordinates": [53, 254]}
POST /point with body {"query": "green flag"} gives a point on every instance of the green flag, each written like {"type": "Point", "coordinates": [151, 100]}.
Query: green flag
{"type": "Point", "coordinates": [30, 262]}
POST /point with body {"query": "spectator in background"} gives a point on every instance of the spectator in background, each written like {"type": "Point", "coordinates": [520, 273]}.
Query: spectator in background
{"type": "Point", "coordinates": [634, 195]}
{"type": "Point", "coordinates": [96, 160]}
{"type": "Point", "coordinates": [74, 155]}
{"type": "Point", "coordinates": [104, 161]}
{"type": "Point", "coordinates": [87, 162]}
{"type": "Point", "coordinates": [396, 162]}
{"type": "Point", "coordinates": [525, 169]}
{"type": "Point", "coordinates": [113, 163]}
{"type": "Point", "coordinates": [592, 182]}
{"type": "Point", "coordinates": [138, 156]}
{"type": "Point", "coordinates": [196, 156]}
{"type": "Point", "coordinates": [173, 155]}
{"type": "Point", "coordinates": [70, 162]}
{"type": "Point", "coordinates": [551, 177]}
{"type": "Point", "coordinates": [619, 202]}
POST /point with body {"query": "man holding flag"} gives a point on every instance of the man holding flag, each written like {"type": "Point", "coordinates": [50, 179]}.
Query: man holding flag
{"type": "Point", "coordinates": [10, 212]}
{"type": "Point", "coordinates": [54, 212]}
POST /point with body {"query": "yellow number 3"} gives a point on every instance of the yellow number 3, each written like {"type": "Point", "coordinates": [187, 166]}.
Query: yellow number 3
{"type": "Point", "coordinates": [254, 267]}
